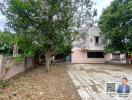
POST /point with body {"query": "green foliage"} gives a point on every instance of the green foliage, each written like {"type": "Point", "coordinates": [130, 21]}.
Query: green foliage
{"type": "Point", "coordinates": [6, 41]}
{"type": "Point", "coordinates": [24, 41]}
{"type": "Point", "coordinates": [4, 83]}
{"type": "Point", "coordinates": [39, 17]}
{"type": "Point", "coordinates": [66, 49]}
{"type": "Point", "coordinates": [19, 58]}
{"type": "Point", "coordinates": [49, 23]}
{"type": "Point", "coordinates": [116, 25]}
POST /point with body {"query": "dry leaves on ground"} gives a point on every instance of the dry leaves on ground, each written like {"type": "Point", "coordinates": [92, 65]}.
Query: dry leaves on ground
{"type": "Point", "coordinates": [38, 85]}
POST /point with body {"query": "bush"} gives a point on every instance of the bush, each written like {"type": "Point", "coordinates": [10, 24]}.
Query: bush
{"type": "Point", "coordinates": [19, 58]}
{"type": "Point", "coordinates": [4, 83]}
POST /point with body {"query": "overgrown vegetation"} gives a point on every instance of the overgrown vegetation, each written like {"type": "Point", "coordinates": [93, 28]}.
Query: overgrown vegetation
{"type": "Point", "coordinates": [116, 26]}
{"type": "Point", "coordinates": [48, 25]}
{"type": "Point", "coordinates": [4, 84]}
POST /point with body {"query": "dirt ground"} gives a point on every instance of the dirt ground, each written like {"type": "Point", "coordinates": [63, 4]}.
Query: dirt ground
{"type": "Point", "coordinates": [39, 85]}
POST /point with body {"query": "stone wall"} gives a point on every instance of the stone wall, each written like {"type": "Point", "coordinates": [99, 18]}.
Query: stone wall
{"type": "Point", "coordinates": [14, 69]}
{"type": "Point", "coordinates": [1, 60]}
{"type": "Point", "coordinates": [10, 68]}
{"type": "Point", "coordinates": [29, 62]}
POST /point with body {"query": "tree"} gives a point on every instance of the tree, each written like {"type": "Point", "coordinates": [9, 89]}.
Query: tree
{"type": "Point", "coordinates": [52, 22]}
{"type": "Point", "coordinates": [116, 25]}
{"type": "Point", "coordinates": [10, 40]}
{"type": "Point", "coordinates": [14, 42]}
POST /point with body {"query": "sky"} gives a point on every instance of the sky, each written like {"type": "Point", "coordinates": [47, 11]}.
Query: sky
{"type": "Point", "coordinates": [100, 5]}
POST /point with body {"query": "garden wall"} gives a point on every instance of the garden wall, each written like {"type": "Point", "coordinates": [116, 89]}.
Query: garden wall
{"type": "Point", "coordinates": [1, 66]}
{"type": "Point", "coordinates": [10, 68]}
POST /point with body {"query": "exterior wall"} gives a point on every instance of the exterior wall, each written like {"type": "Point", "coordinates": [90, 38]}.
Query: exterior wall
{"type": "Point", "coordinates": [86, 42]}
{"type": "Point", "coordinates": [92, 32]}
{"type": "Point", "coordinates": [1, 60]}
{"type": "Point", "coordinates": [10, 68]}
{"type": "Point", "coordinates": [14, 70]}
{"type": "Point", "coordinates": [109, 57]}
{"type": "Point", "coordinates": [79, 56]}
{"type": "Point", "coordinates": [29, 62]}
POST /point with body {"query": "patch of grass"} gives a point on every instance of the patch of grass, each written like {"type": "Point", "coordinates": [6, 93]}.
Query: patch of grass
{"type": "Point", "coordinates": [4, 83]}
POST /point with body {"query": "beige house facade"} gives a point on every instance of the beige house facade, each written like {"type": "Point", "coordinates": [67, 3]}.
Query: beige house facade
{"type": "Point", "coordinates": [88, 46]}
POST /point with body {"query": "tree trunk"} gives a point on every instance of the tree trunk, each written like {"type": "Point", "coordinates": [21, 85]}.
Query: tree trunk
{"type": "Point", "coordinates": [15, 50]}
{"type": "Point", "coordinates": [47, 57]}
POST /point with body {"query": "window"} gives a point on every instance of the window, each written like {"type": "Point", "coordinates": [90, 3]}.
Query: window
{"type": "Point", "coordinates": [95, 54]}
{"type": "Point", "coordinates": [96, 39]}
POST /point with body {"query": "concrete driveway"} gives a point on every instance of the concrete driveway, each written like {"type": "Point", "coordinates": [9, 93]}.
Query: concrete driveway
{"type": "Point", "coordinates": [90, 80]}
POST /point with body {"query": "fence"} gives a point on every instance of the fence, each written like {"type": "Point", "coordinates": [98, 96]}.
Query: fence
{"type": "Point", "coordinates": [9, 67]}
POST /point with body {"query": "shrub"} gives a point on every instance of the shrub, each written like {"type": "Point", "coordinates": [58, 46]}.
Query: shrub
{"type": "Point", "coordinates": [4, 83]}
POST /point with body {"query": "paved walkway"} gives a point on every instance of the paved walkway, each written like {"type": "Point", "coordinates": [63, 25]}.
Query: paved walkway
{"type": "Point", "coordinates": [90, 80]}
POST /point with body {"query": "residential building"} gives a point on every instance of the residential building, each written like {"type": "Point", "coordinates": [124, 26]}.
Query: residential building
{"type": "Point", "coordinates": [88, 46]}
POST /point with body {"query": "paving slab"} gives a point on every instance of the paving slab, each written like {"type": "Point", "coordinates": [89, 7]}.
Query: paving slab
{"type": "Point", "coordinates": [90, 80]}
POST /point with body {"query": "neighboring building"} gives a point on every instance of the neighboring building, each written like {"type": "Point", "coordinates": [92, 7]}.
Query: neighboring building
{"type": "Point", "coordinates": [115, 57]}
{"type": "Point", "coordinates": [88, 46]}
